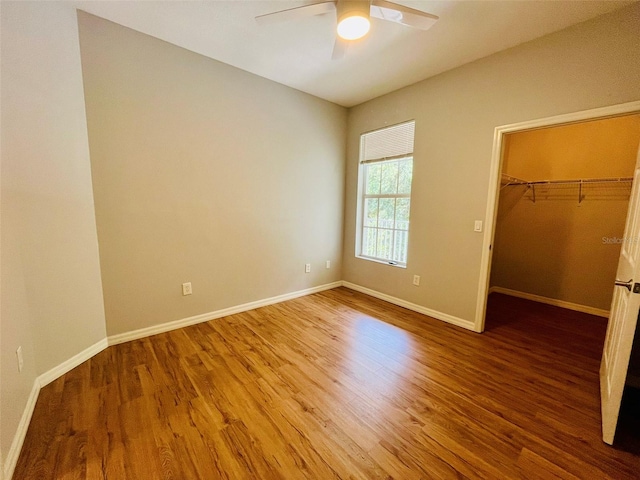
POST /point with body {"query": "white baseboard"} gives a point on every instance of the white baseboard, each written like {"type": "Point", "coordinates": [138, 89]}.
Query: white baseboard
{"type": "Point", "coordinates": [18, 439]}
{"type": "Point", "coordinates": [551, 301]}
{"type": "Point", "coordinates": [445, 317]}
{"type": "Point", "coordinates": [56, 372]}
{"type": "Point", "coordinates": [166, 327]}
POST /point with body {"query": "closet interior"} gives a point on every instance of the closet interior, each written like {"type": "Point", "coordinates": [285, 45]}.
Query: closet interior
{"type": "Point", "coordinates": [562, 208]}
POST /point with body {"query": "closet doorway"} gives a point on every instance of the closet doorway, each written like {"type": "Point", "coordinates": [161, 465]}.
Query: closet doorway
{"type": "Point", "coordinates": [559, 234]}
{"type": "Point", "coordinates": [563, 201]}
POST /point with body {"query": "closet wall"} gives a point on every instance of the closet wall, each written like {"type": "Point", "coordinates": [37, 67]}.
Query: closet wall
{"type": "Point", "coordinates": [564, 246]}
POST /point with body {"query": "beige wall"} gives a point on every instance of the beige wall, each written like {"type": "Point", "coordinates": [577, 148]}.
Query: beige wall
{"type": "Point", "coordinates": [554, 247]}
{"type": "Point", "coordinates": [204, 173]}
{"type": "Point", "coordinates": [51, 290]}
{"type": "Point", "coordinates": [595, 149]}
{"type": "Point", "coordinates": [591, 65]}
{"type": "Point", "coordinates": [15, 328]}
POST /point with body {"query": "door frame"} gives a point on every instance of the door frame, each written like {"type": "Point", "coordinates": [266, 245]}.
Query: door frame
{"type": "Point", "coordinates": [494, 184]}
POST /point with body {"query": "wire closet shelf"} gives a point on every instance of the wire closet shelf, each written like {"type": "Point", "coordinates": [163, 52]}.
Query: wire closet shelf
{"type": "Point", "coordinates": [617, 188]}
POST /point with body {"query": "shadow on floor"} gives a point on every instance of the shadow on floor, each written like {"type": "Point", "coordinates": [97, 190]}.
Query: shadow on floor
{"type": "Point", "coordinates": [628, 434]}
{"type": "Point", "coordinates": [559, 327]}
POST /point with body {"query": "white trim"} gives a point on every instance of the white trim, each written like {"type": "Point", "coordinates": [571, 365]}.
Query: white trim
{"type": "Point", "coordinates": [445, 317]}
{"type": "Point", "coordinates": [21, 432]}
{"type": "Point", "coordinates": [551, 301]}
{"type": "Point", "coordinates": [494, 185]}
{"type": "Point", "coordinates": [204, 317]}
{"type": "Point", "coordinates": [56, 372]}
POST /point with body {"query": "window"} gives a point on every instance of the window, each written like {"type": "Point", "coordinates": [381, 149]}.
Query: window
{"type": "Point", "coordinates": [384, 201]}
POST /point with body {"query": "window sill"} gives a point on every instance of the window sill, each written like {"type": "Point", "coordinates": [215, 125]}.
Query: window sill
{"type": "Point", "coordinates": [383, 262]}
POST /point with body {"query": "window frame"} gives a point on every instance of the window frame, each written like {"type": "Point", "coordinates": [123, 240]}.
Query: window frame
{"type": "Point", "coordinates": [362, 197]}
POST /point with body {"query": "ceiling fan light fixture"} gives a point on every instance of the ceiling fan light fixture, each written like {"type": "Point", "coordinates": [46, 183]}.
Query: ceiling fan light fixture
{"type": "Point", "coordinates": [352, 28]}
{"type": "Point", "coordinates": [353, 19]}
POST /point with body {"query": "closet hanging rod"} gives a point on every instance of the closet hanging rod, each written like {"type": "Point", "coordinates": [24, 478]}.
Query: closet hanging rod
{"type": "Point", "coordinates": [516, 181]}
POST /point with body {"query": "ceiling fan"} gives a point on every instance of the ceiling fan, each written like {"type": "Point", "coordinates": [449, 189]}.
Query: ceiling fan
{"type": "Point", "coordinates": [353, 18]}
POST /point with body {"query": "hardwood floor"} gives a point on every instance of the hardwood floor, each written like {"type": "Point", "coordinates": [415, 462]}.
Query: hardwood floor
{"type": "Point", "coordinates": [336, 385]}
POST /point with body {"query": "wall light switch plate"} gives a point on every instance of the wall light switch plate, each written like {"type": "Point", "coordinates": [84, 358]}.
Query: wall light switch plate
{"type": "Point", "coordinates": [328, 263]}
{"type": "Point", "coordinates": [477, 226]}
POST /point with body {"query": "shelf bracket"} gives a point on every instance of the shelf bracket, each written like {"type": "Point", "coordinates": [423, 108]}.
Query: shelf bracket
{"type": "Point", "coordinates": [580, 196]}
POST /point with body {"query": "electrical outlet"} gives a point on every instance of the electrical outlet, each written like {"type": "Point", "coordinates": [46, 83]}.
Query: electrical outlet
{"type": "Point", "coordinates": [307, 268]}
{"type": "Point", "coordinates": [328, 263]}
{"type": "Point", "coordinates": [186, 288]}
{"type": "Point", "coordinates": [416, 280]}
{"type": "Point", "coordinates": [20, 359]}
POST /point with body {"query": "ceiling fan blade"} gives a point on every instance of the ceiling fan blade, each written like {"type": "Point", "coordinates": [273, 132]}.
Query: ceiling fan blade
{"type": "Point", "coordinates": [339, 48]}
{"type": "Point", "coordinates": [296, 12]}
{"type": "Point", "coordinates": [393, 12]}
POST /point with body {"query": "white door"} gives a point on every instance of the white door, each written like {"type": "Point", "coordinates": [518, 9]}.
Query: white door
{"type": "Point", "coordinates": [623, 317]}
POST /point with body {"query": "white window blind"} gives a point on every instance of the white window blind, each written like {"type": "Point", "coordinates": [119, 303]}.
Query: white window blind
{"type": "Point", "coordinates": [388, 143]}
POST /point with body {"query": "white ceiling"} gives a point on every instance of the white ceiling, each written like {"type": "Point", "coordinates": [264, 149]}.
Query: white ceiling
{"type": "Point", "coordinates": [298, 53]}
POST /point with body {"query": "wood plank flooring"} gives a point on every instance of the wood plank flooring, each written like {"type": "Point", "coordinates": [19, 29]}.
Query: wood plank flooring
{"type": "Point", "coordinates": [336, 385]}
